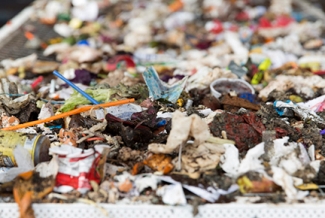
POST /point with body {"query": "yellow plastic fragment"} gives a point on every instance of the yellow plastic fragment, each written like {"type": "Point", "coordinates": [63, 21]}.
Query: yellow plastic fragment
{"type": "Point", "coordinates": [244, 184]}
{"type": "Point", "coordinates": [295, 98]}
{"type": "Point", "coordinates": [21, 72]}
{"type": "Point", "coordinates": [265, 65]}
{"type": "Point", "coordinates": [55, 40]}
{"type": "Point", "coordinates": [257, 50]}
{"type": "Point", "coordinates": [308, 186]}
{"type": "Point", "coordinates": [75, 23]}
{"type": "Point", "coordinates": [180, 102]}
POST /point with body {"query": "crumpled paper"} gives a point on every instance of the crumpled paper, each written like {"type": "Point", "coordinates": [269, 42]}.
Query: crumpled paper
{"type": "Point", "coordinates": [286, 161]}
{"type": "Point", "coordinates": [233, 167]}
{"type": "Point", "coordinates": [47, 169]}
{"type": "Point", "coordinates": [198, 156]}
{"type": "Point", "coordinates": [139, 182]}
{"type": "Point", "coordinates": [46, 111]}
{"type": "Point", "coordinates": [182, 128]}
{"type": "Point", "coordinates": [293, 158]}
{"type": "Point", "coordinates": [229, 161]}
{"type": "Point", "coordinates": [288, 183]}
{"type": "Point", "coordinates": [80, 54]}
{"type": "Point", "coordinates": [13, 106]}
{"type": "Point", "coordinates": [27, 61]}
{"type": "Point", "coordinates": [303, 85]}
{"type": "Point", "coordinates": [251, 162]}
{"type": "Point", "coordinates": [56, 48]}
{"type": "Point", "coordinates": [146, 181]}
{"type": "Point", "coordinates": [172, 194]}
{"type": "Point", "coordinates": [204, 76]}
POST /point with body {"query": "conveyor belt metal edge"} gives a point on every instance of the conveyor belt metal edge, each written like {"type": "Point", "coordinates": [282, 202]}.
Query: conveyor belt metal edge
{"type": "Point", "coordinates": [14, 24]}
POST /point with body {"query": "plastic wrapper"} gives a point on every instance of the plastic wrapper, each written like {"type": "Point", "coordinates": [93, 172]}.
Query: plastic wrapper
{"type": "Point", "coordinates": [287, 109]}
{"type": "Point", "coordinates": [123, 112]}
{"type": "Point", "coordinates": [160, 90]}
{"type": "Point", "coordinates": [211, 194]}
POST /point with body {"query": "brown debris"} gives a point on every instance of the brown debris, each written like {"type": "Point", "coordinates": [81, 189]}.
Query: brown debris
{"type": "Point", "coordinates": [211, 102]}
{"type": "Point", "coordinates": [29, 187]}
{"type": "Point", "coordinates": [157, 162]}
{"type": "Point", "coordinates": [41, 67]}
{"type": "Point", "coordinates": [68, 137]}
{"type": "Point", "coordinates": [246, 129]}
{"type": "Point", "coordinates": [259, 185]}
{"type": "Point", "coordinates": [239, 102]}
{"type": "Point", "coordinates": [127, 154]}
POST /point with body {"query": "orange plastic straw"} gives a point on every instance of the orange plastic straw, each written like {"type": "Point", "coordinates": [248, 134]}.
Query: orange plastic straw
{"type": "Point", "coordinates": [69, 113]}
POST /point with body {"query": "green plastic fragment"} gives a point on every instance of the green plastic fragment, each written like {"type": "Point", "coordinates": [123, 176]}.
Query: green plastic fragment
{"type": "Point", "coordinates": [257, 78]}
{"type": "Point", "coordinates": [76, 99]}
{"type": "Point", "coordinates": [64, 17]}
{"type": "Point", "coordinates": [70, 40]}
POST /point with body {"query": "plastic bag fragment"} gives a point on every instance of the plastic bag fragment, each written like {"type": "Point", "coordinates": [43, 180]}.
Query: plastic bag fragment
{"type": "Point", "coordinates": [24, 164]}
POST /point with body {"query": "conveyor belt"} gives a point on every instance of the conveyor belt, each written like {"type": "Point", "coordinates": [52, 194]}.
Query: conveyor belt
{"type": "Point", "coordinates": [12, 43]}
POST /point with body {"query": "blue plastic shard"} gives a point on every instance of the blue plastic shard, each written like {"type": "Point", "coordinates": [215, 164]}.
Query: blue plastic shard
{"type": "Point", "coordinates": [161, 90]}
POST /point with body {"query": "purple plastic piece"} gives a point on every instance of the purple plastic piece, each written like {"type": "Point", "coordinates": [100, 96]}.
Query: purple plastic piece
{"type": "Point", "coordinates": [322, 132]}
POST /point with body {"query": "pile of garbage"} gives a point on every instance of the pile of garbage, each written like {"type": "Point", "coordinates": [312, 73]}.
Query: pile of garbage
{"type": "Point", "coordinates": [166, 102]}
